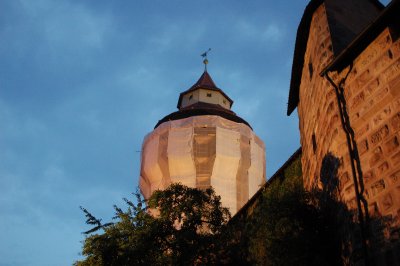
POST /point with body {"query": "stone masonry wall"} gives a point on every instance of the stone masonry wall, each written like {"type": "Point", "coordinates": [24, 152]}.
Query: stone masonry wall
{"type": "Point", "coordinates": [320, 128]}
{"type": "Point", "coordinates": [372, 92]}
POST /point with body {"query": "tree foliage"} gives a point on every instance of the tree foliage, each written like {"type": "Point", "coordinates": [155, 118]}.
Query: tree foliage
{"type": "Point", "coordinates": [289, 225]}
{"type": "Point", "coordinates": [286, 225]}
{"type": "Point", "coordinates": [177, 226]}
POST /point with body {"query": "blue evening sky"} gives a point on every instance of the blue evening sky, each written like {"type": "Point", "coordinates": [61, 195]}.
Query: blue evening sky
{"type": "Point", "coordinates": [82, 82]}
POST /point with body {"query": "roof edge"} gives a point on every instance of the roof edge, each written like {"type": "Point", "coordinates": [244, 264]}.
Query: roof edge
{"type": "Point", "coordinates": [363, 39]}
{"type": "Point", "coordinates": [276, 175]}
{"type": "Point", "coordinates": [303, 32]}
{"type": "Point", "coordinates": [186, 113]}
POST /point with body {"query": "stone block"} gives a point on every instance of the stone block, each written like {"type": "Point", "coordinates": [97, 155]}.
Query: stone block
{"type": "Point", "coordinates": [344, 179]}
{"type": "Point", "coordinates": [396, 158]}
{"type": "Point", "coordinates": [394, 177]}
{"type": "Point", "coordinates": [386, 202]}
{"type": "Point", "coordinates": [362, 130]}
{"type": "Point", "coordinates": [373, 209]}
{"type": "Point", "coordinates": [357, 100]}
{"type": "Point", "coordinates": [381, 134]}
{"type": "Point", "coordinates": [391, 145]}
{"type": "Point", "coordinates": [363, 79]}
{"type": "Point", "coordinates": [369, 175]}
{"type": "Point", "coordinates": [396, 104]}
{"type": "Point", "coordinates": [382, 116]}
{"type": "Point", "coordinates": [392, 71]}
{"type": "Point", "coordinates": [349, 190]}
{"type": "Point", "coordinates": [381, 94]}
{"type": "Point", "coordinates": [378, 187]}
{"type": "Point", "coordinates": [367, 194]}
{"type": "Point", "coordinates": [374, 50]}
{"type": "Point", "coordinates": [394, 86]}
{"type": "Point", "coordinates": [335, 121]}
{"type": "Point", "coordinates": [331, 95]}
{"type": "Point", "coordinates": [376, 156]}
{"type": "Point", "coordinates": [367, 57]}
{"type": "Point", "coordinates": [384, 61]}
{"type": "Point", "coordinates": [363, 146]}
{"type": "Point", "coordinates": [330, 107]}
{"type": "Point", "coordinates": [395, 121]}
{"type": "Point", "coordinates": [371, 87]}
{"type": "Point", "coordinates": [382, 168]}
{"type": "Point", "coordinates": [352, 203]}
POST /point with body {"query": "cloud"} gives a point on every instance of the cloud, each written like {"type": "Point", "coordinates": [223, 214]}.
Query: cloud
{"type": "Point", "coordinates": [270, 32]}
{"type": "Point", "coordinates": [172, 35]}
{"type": "Point", "coordinates": [57, 29]}
{"type": "Point", "coordinates": [75, 26]}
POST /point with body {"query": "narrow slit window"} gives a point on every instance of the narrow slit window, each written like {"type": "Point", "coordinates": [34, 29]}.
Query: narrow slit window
{"type": "Point", "coordinates": [390, 54]}
{"type": "Point", "coordinates": [190, 97]}
{"type": "Point", "coordinates": [310, 69]}
{"type": "Point", "coordinates": [314, 143]}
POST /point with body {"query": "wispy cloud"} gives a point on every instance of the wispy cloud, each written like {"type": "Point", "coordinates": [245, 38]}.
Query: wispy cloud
{"type": "Point", "coordinates": [265, 32]}
{"type": "Point", "coordinates": [69, 24]}
{"type": "Point", "coordinates": [176, 35]}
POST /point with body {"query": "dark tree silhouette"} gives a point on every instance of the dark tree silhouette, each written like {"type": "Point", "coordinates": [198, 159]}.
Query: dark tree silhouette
{"type": "Point", "coordinates": [176, 227]}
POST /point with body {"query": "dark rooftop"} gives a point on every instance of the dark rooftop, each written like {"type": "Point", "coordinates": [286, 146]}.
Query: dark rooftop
{"type": "Point", "coordinates": [201, 108]}
{"type": "Point", "coordinates": [389, 17]}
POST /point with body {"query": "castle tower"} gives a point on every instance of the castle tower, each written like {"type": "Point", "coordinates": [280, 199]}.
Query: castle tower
{"type": "Point", "coordinates": [204, 144]}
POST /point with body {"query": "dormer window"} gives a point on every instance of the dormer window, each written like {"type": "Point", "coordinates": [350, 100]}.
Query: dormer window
{"type": "Point", "coordinates": [190, 97]}
{"type": "Point", "coordinates": [208, 94]}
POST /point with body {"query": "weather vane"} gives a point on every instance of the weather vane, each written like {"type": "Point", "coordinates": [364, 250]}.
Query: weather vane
{"type": "Point", "coordinates": [205, 61]}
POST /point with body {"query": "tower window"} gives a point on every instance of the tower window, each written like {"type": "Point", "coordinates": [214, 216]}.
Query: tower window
{"type": "Point", "coordinates": [190, 97]}
{"type": "Point", "coordinates": [390, 54]}
{"type": "Point", "coordinates": [314, 143]}
{"type": "Point", "coordinates": [209, 95]}
{"type": "Point", "coordinates": [224, 101]}
{"type": "Point", "coordinates": [310, 69]}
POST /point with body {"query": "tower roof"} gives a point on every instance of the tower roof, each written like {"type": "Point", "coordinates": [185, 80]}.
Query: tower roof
{"type": "Point", "coordinates": [205, 82]}
{"type": "Point", "coordinates": [203, 108]}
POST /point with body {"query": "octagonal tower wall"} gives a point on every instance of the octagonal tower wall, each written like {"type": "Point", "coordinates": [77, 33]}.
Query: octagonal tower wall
{"type": "Point", "coordinates": [204, 151]}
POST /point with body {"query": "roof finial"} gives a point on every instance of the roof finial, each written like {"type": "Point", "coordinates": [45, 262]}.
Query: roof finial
{"type": "Point", "coordinates": [205, 61]}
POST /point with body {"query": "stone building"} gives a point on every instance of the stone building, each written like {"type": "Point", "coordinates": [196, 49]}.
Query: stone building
{"type": "Point", "coordinates": [346, 86]}
{"type": "Point", "coordinates": [204, 144]}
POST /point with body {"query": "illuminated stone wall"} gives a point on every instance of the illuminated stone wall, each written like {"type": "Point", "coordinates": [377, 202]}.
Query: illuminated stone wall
{"type": "Point", "coordinates": [372, 93]}
{"type": "Point", "coordinates": [319, 121]}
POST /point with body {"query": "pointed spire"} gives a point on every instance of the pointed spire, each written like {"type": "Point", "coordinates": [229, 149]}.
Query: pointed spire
{"type": "Point", "coordinates": [205, 81]}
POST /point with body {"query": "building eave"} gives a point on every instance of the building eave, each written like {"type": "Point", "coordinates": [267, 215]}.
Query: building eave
{"type": "Point", "coordinates": [199, 109]}
{"type": "Point", "coordinates": [388, 18]}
